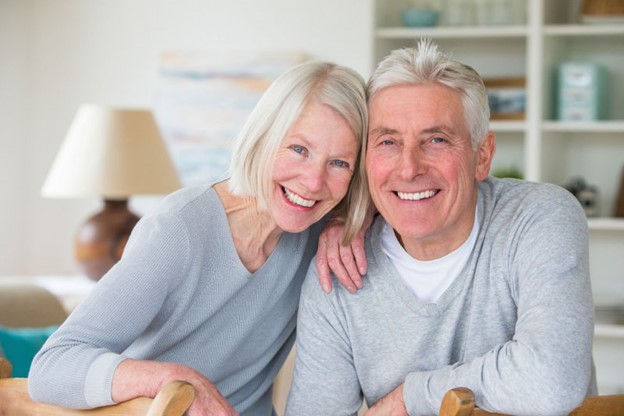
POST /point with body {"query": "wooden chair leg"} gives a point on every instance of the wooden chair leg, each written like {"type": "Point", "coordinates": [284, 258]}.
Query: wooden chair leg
{"type": "Point", "coordinates": [5, 368]}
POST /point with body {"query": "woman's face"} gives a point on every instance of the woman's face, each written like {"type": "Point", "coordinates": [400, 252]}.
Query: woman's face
{"type": "Point", "coordinates": [313, 168]}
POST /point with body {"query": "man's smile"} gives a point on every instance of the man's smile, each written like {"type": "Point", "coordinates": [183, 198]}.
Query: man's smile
{"type": "Point", "coordinates": [416, 196]}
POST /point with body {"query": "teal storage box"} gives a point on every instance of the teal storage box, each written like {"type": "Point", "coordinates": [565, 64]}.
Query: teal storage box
{"type": "Point", "coordinates": [581, 92]}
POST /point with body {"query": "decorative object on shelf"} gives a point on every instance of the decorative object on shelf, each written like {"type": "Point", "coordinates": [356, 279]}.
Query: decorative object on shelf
{"type": "Point", "coordinates": [458, 13]}
{"type": "Point", "coordinates": [494, 12]}
{"type": "Point", "coordinates": [602, 11]}
{"type": "Point", "coordinates": [420, 17]}
{"type": "Point", "coordinates": [586, 194]}
{"type": "Point", "coordinates": [619, 203]}
{"type": "Point", "coordinates": [506, 97]}
{"type": "Point", "coordinates": [113, 154]}
{"type": "Point", "coordinates": [582, 91]}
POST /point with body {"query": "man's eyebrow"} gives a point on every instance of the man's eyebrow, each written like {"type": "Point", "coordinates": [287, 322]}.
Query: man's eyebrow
{"type": "Point", "coordinates": [382, 130]}
{"type": "Point", "coordinates": [434, 129]}
{"type": "Point", "coordinates": [438, 129]}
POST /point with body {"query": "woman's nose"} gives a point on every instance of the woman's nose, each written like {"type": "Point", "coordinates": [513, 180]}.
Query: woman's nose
{"type": "Point", "coordinates": [314, 176]}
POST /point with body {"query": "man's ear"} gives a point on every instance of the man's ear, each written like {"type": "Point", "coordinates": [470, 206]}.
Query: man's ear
{"type": "Point", "coordinates": [485, 154]}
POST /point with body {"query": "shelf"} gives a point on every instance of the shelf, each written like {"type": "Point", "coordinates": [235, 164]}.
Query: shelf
{"type": "Point", "coordinates": [609, 331]}
{"type": "Point", "coordinates": [606, 224]}
{"type": "Point", "coordinates": [584, 30]}
{"type": "Point", "coordinates": [607, 126]}
{"type": "Point", "coordinates": [508, 126]}
{"type": "Point", "coordinates": [451, 32]}
{"type": "Point", "coordinates": [609, 320]}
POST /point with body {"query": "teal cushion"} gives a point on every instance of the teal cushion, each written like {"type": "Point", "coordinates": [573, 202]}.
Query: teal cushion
{"type": "Point", "coordinates": [19, 346]}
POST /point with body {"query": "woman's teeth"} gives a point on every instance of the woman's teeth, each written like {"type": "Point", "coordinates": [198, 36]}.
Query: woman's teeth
{"type": "Point", "coordinates": [296, 199]}
{"type": "Point", "coordinates": [416, 196]}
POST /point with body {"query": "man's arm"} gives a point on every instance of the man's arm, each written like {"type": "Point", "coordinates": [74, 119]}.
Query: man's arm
{"type": "Point", "coordinates": [325, 381]}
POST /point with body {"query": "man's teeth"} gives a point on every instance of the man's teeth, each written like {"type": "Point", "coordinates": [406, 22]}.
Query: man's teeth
{"type": "Point", "coordinates": [296, 199]}
{"type": "Point", "coordinates": [416, 196]}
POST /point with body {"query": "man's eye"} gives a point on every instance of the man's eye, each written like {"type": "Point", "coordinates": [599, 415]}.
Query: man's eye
{"type": "Point", "coordinates": [341, 164]}
{"type": "Point", "coordinates": [438, 140]}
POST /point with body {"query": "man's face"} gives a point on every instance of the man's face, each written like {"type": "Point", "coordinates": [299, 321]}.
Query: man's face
{"type": "Point", "coordinates": [421, 168]}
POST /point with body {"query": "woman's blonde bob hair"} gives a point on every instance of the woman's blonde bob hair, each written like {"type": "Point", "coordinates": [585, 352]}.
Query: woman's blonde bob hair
{"type": "Point", "coordinates": [335, 86]}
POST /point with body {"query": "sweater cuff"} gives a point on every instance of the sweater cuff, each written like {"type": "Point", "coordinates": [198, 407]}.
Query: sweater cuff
{"type": "Point", "coordinates": [415, 395]}
{"type": "Point", "coordinates": [99, 380]}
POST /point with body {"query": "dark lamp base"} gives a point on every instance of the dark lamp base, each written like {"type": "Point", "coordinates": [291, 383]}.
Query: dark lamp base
{"type": "Point", "coordinates": [100, 241]}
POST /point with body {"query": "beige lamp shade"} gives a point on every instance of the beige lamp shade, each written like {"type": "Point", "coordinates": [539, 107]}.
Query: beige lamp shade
{"type": "Point", "coordinates": [113, 154]}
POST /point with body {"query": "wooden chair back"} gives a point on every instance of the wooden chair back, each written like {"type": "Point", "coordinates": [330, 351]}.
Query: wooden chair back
{"type": "Point", "coordinates": [172, 400]}
{"type": "Point", "coordinates": [461, 402]}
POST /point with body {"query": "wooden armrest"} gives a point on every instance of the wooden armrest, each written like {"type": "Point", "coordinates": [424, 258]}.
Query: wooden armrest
{"type": "Point", "coordinates": [457, 402]}
{"type": "Point", "coordinates": [173, 400]}
{"type": "Point", "coordinates": [461, 402]}
{"type": "Point", "coordinates": [601, 405]}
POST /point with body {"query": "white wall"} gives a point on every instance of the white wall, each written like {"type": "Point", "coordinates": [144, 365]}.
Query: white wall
{"type": "Point", "coordinates": [14, 73]}
{"type": "Point", "coordinates": [63, 53]}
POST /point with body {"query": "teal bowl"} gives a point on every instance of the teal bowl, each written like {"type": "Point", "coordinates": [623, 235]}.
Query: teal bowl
{"type": "Point", "coordinates": [419, 17]}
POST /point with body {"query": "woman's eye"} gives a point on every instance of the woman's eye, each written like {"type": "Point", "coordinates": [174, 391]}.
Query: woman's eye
{"type": "Point", "coordinates": [298, 149]}
{"type": "Point", "coordinates": [341, 164]}
{"type": "Point", "coordinates": [387, 142]}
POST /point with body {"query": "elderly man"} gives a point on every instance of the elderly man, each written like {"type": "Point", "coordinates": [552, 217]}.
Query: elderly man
{"type": "Point", "coordinates": [472, 281]}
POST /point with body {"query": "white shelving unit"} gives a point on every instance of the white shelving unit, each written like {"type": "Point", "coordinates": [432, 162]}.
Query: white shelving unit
{"type": "Point", "coordinates": [548, 150]}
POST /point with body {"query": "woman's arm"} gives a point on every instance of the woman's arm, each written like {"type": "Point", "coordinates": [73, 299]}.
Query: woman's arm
{"type": "Point", "coordinates": [139, 378]}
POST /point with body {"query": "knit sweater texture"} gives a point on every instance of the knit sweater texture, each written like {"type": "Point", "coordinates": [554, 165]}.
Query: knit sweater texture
{"type": "Point", "coordinates": [181, 294]}
{"type": "Point", "coordinates": [515, 326]}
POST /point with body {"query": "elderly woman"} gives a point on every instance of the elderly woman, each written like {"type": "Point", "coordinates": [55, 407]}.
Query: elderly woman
{"type": "Point", "coordinates": [208, 286]}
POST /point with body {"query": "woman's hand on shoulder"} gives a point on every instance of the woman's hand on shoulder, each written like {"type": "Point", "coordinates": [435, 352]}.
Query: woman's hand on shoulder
{"type": "Point", "coordinates": [347, 263]}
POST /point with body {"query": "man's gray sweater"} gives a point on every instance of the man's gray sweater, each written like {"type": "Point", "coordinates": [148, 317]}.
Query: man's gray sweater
{"type": "Point", "coordinates": [515, 326]}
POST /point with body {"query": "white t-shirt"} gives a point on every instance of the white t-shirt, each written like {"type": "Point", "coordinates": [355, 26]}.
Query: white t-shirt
{"type": "Point", "coordinates": [427, 279]}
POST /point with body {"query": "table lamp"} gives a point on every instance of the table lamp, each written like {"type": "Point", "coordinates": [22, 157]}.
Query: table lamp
{"type": "Point", "coordinates": [112, 154]}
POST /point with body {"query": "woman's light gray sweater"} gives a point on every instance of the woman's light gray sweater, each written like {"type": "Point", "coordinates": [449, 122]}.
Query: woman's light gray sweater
{"type": "Point", "coordinates": [515, 326]}
{"type": "Point", "coordinates": [181, 294]}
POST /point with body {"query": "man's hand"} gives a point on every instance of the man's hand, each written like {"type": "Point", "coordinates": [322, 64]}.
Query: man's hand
{"type": "Point", "coordinates": [390, 405]}
{"type": "Point", "coordinates": [347, 263]}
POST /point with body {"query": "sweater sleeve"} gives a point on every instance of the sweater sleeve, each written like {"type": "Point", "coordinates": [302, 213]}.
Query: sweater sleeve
{"type": "Point", "coordinates": [318, 388]}
{"type": "Point", "coordinates": [546, 367]}
{"type": "Point", "coordinates": [76, 365]}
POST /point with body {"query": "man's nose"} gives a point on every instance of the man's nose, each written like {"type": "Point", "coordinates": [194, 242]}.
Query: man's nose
{"type": "Point", "coordinates": [412, 163]}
